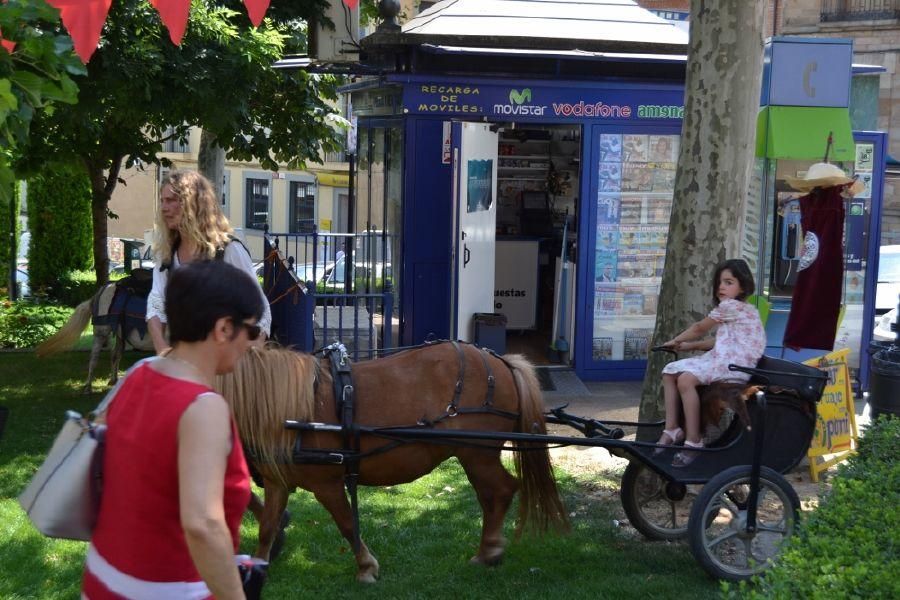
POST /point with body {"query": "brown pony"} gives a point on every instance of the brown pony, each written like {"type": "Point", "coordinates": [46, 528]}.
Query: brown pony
{"type": "Point", "coordinates": [409, 388]}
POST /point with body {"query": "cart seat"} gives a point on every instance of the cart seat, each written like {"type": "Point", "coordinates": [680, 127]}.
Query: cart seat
{"type": "Point", "coordinates": [807, 381]}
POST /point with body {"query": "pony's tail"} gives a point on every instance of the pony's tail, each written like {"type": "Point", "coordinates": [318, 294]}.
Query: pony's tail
{"type": "Point", "coordinates": [540, 506]}
{"type": "Point", "coordinates": [66, 337]}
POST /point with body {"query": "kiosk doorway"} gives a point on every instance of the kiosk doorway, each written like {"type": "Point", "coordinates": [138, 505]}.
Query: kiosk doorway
{"type": "Point", "coordinates": [538, 188]}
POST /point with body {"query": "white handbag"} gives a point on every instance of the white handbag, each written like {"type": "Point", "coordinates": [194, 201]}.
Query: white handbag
{"type": "Point", "coordinates": [63, 498]}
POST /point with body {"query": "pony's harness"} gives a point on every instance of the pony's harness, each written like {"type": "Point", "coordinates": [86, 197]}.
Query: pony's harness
{"type": "Point", "coordinates": [128, 307]}
{"type": "Point", "coordinates": [345, 407]}
{"type": "Point", "coordinates": [453, 409]}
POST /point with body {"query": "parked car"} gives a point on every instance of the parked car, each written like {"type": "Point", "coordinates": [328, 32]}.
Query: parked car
{"type": "Point", "coordinates": [887, 290]}
{"type": "Point", "coordinates": [330, 278]}
{"type": "Point", "coordinates": [24, 290]}
{"type": "Point", "coordinates": [882, 331]}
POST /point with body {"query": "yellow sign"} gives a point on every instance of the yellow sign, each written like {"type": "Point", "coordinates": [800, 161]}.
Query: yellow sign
{"type": "Point", "coordinates": [835, 414]}
{"type": "Point", "coordinates": [333, 179]}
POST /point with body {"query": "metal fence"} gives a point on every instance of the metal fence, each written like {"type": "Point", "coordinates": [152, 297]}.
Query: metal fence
{"type": "Point", "coordinates": [859, 10]}
{"type": "Point", "coordinates": [327, 287]}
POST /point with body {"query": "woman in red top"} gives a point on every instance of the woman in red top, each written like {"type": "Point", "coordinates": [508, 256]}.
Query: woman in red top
{"type": "Point", "coordinates": [175, 480]}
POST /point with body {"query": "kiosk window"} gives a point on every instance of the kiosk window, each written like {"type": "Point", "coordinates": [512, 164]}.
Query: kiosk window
{"type": "Point", "coordinates": [636, 179]}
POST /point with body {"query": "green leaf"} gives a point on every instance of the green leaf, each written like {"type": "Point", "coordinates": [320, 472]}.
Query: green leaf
{"type": "Point", "coordinates": [8, 101]}
{"type": "Point", "coordinates": [30, 83]}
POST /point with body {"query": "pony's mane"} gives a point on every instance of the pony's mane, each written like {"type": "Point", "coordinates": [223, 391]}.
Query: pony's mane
{"type": "Point", "coordinates": [267, 387]}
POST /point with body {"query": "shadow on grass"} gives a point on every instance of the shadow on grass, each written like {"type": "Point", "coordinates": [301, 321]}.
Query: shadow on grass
{"type": "Point", "coordinates": [423, 533]}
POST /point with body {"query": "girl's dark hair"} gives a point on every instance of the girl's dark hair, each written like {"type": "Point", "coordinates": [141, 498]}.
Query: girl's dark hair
{"type": "Point", "coordinates": [200, 293]}
{"type": "Point", "coordinates": [741, 271]}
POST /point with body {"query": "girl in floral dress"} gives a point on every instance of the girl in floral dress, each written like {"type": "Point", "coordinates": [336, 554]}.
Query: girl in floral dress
{"type": "Point", "coordinates": [740, 339]}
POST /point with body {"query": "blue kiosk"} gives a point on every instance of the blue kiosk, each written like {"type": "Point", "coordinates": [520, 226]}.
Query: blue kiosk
{"type": "Point", "coordinates": [536, 185]}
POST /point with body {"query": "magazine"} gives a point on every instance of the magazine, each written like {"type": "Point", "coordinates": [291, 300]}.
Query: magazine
{"type": "Point", "coordinates": [636, 178]}
{"type": "Point", "coordinates": [610, 177]}
{"type": "Point", "coordinates": [606, 269]}
{"type": "Point", "coordinates": [662, 149]}
{"type": "Point", "coordinates": [637, 342]}
{"type": "Point", "coordinates": [607, 209]}
{"type": "Point", "coordinates": [608, 304]}
{"type": "Point", "coordinates": [630, 210]}
{"type": "Point", "coordinates": [611, 147]}
{"type": "Point", "coordinates": [602, 348]}
{"type": "Point", "coordinates": [634, 148]}
{"type": "Point", "coordinates": [632, 304]}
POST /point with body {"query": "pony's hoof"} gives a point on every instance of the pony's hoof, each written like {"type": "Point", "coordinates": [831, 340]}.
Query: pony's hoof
{"type": "Point", "coordinates": [487, 561]}
{"type": "Point", "coordinates": [366, 577]}
{"type": "Point", "coordinates": [278, 544]}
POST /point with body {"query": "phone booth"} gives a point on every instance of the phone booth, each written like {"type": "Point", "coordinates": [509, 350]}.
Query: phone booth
{"type": "Point", "coordinates": [804, 119]}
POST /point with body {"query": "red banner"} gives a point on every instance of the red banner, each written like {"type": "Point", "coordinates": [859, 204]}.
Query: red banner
{"type": "Point", "coordinates": [83, 20]}
{"type": "Point", "coordinates": [174, 14]}
{"type": "Point", "coordinates": [10, 46]}
{"type": "Point", "coordinates": [257, 10]}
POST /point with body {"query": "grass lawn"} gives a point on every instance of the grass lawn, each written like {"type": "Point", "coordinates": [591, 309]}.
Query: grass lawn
{"type": "Point", "coordinates": [422, 533]}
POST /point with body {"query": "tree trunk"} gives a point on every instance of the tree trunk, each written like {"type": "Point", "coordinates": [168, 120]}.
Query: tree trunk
{"type": "Point", "coordinates": [211, 162]}
{"type": "Point", "coordinates": [715, 162]}
{"type": "Point", "coordinates": [103, 182]}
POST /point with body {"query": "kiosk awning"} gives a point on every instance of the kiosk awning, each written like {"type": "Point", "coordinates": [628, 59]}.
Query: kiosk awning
{"type": "Point", "coordinates": [801, 133]}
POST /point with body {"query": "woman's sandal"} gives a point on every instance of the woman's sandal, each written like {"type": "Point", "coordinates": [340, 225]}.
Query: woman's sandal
{"type": "Point", "coordinates": [686, 457]}
{"type": "Point", "coordinates": [676, 436]}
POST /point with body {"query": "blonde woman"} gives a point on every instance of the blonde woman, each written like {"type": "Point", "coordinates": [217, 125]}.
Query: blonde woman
{"type": "Point", "coordinates": [190, 227]}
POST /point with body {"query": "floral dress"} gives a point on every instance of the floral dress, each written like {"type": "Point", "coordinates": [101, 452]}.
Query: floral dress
{"type": "Point", "coordinates": [740, 340]}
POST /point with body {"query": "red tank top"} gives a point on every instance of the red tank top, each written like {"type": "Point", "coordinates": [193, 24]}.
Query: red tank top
{"type": "Point", "coordinates": [139, 527]}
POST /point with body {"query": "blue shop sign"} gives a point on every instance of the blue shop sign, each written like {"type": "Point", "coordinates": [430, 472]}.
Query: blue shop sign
{"type": "Point", "coordinates": [536, 102]}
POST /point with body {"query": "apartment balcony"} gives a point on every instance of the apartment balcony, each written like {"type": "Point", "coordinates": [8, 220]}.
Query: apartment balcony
{"type": "Point", "coordinates": [859, 10]}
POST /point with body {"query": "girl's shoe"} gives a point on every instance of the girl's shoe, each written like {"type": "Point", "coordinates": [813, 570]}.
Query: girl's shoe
{"type": "Point", "coordinates": [669, 437]}
{"type": "Point", "coordinates": [686, 457]}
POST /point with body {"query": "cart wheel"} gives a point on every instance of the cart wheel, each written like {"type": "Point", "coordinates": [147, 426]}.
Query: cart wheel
{"type": "Point", "coordinates": [656, 507]}
{"type": "Point", "coordinates": [718, 537]}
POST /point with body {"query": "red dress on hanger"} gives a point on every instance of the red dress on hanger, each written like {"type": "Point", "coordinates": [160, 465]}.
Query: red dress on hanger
{"type": "Point", "coordinates": [816, 304]}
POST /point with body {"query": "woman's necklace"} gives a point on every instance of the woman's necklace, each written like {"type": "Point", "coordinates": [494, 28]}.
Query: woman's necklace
{"type": "Point", "coordinates": [192, 366]}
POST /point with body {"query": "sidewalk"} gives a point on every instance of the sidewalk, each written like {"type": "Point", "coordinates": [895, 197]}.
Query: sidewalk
{"type": "Point", "coordinates": [618, 400]}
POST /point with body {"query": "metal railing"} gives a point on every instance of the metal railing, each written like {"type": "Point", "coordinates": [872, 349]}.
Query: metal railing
{"type": "Point", "coordinates": [859, 10]}
{"type": "Point", "coordinates": [347, 291]}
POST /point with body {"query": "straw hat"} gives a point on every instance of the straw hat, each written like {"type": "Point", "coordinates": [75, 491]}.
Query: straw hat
{"type": "Point", "coordinates": [824, 175]}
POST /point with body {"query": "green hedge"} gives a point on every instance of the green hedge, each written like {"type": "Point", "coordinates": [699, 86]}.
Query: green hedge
{"type": "Point", "coordinates": [59, 219]}
{"type": "Point", "coordinates": [5, 248]}
{"type": "Point", "coordinates": [850, 546]}
{"type": "Point", "coordinates": [74, 287]}
{"type": "Point", "coordinates": [25, 325]}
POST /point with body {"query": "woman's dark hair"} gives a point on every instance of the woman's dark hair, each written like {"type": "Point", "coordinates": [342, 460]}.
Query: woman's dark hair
{"type": "Point", "coordinates": [741, 271]}
{"type": "Point", "coordinates": [200, 293]}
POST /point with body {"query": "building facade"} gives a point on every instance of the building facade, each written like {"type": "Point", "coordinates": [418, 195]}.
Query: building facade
{"type": "Point", "coordinates": [315, 199]}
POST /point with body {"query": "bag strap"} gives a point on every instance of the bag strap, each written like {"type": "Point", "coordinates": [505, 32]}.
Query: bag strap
{"type": "Point", "coordinates": [107, 400]}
